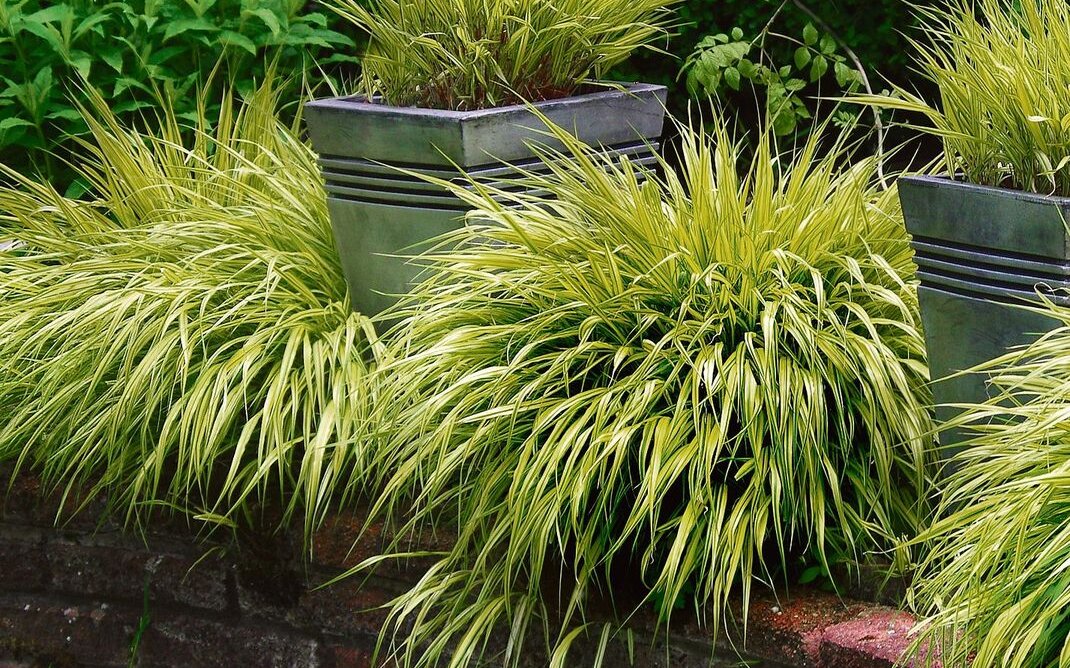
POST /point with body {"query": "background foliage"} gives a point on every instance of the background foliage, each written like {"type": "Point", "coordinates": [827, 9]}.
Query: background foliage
{"type": "Point", "coordinates": [127, 49]}
{"type": "Point", "coordinates": [775, 30]}
{"type": "Point", "coordinates": [723, 64]}
{"type": "Point", "coordinates": [870, 27]}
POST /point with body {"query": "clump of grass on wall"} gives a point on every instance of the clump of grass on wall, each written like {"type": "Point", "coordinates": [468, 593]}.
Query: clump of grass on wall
{"type": "Point", "coordinates": [472, 54]}
{"type": "Point", "coordinates": [996, 583]}
{"type": "Point", "coordinates": [692, 376]}
{"type": "Point", "coordinates": [1002, 68]}
{"type": "Point", "coordinates": [183, 337]}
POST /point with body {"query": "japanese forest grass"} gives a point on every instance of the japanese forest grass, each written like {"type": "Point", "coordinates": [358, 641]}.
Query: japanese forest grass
{"type": "Point", "coordinates": [477, 54]}
{"type": "Point", "coordinates": [182, 339]}
{"type": "Point", "coordinates": [995, 586]}
{"type": "Point", "coordinates": [701, 376]}
{"type": "Point", "coordinates": [1002, 69]}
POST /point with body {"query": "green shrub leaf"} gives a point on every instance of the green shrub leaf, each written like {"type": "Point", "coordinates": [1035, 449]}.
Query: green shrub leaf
{"type": "Point", "coordinates": [12, 122]}
{"type": "Point", "coordinates": [731, 77]}
{"type": "Point", "coordinates": [51, 14]}
{"type": "Point", "coordinates": [268, 17]}
{"type": "Point", "coordinates": [181, 26]}
{"type": "Point", "coordinates": [818, 68]}
{"type": "Point", "coordinates": [237, 39]}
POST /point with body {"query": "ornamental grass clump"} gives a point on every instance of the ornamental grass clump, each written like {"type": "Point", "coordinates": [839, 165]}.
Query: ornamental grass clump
{"type": "Point", "coordinates": [475, 54]}
{"type": "Point", "coordinates": [182, 338]}
{"type": "Point", "coordinates": [678, 382]}
{"type": "Point", "coordinates": [1002, 68]}
{"type": "Point", "coordinates": [996, 583]}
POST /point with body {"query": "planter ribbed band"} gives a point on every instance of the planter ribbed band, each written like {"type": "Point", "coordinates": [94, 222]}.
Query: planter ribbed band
{"type": "Point", "coordinates": [380, 215]}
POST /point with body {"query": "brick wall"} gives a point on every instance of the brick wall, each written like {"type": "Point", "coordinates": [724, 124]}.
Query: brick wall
{"type": "Point", "coordinates": [77, 593]}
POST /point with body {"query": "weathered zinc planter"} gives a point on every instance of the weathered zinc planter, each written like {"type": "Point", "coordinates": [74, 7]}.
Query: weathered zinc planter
{"type": "Point", "coordinates": [981, 253]}
{"type": "Point", "coordinates": [380, 214]}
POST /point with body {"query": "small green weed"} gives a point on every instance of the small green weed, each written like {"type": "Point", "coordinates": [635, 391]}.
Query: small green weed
{"type": "Point", "coordinates": [143, 623]}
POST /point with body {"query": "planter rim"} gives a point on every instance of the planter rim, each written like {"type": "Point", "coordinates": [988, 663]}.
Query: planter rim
{"type": "Point", "coordinates": [359, 103]}
{"type": "Point", "coordinates": [948, 182]}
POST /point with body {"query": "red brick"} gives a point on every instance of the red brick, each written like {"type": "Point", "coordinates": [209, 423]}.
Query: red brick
{"type": "Point", "coordinates": [22, 559]}
{"type": "Point", "coordinates": [347, 656]}
{"type": "Point", "coordinates": [48, 632]}
{"type": "Point", "coordinates": [346, 539]}
{"type": "Point", "coordinates": [876, 638]}
{"type": "Point", "coordinates": [789, 629]}
{"type": "Point", "coordinates": [352, 607]}
{"type": "Point", "coordinates": [183, 640]}
{"type": "Point", "coordinates": [123, 572]}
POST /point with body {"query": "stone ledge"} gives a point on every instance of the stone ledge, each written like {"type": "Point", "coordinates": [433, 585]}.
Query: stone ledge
{"type": "Point", "coordinates": [74, 596]}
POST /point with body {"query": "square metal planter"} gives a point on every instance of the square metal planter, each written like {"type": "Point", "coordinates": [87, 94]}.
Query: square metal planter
{"type": "Point", "coordinates": [981, 252]}
{"type": "Point", "coordinates": [379, 214]}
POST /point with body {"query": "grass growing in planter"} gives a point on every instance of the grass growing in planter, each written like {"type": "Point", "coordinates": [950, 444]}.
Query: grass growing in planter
{"type": "Point", "coordinates": [696, 378]}
{"type": "Point", "coordinates": [996, 582]}
{"type": "Point", "coordinates": [473, 54]}
{"type": "Point", "coordinates": [184, 337]}
{"type": "Point", "coordinates": [1003, 71]}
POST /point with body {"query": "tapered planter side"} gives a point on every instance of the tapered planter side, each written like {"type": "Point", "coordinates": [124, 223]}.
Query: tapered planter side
{"type": "Point", "coordinates": [981, 253]}
{"type": "Point", "coordinates": [380, 215]}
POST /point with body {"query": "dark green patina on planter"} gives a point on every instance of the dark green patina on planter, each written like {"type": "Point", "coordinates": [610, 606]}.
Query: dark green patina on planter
{"type": "Point", "coordinates": [380, 214]}
{"type": "Point", "coordinates": [981, 253]}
